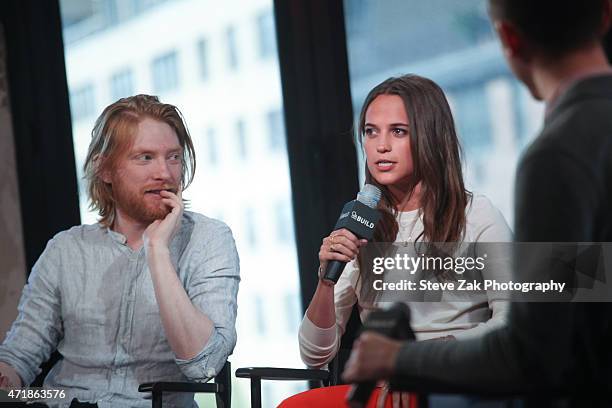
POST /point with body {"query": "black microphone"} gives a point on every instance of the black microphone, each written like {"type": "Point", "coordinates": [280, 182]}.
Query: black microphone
{"type": "Point", "coordinates": [393, 322]}
{"type": "Point", "coordinates": [360, 217]}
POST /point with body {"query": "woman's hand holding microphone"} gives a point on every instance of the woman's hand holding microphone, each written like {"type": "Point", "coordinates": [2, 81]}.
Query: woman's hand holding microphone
{"type": "Point", "coordinates": [341, 245]}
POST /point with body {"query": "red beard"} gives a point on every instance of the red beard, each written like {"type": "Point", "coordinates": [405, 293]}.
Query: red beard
{"type": "Point", "coordinates": [140, 206]}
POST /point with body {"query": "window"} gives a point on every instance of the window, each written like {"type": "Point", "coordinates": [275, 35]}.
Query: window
{"type": "Point", "coordinates": [231, 47]}
{"type": "Point", "coordinates": [292, 310]}
{"type": "Point", "coordinates": [472, 117]}
{"type": "Point", "coordinates": [82, 102]}
{"type": "Point", "coordinates": [165, 72]}
{"type": "Point", "coordinates": [241, 142]}
{"type": "Point", "coordinates": [265, 34]}
{"type": "Point", "coordinates": [203, 63]}
{"type": "Point", "coordinates": [260, 315]}
{"type": "Point", "coordinates": [121, 84]}
{"type": "Point", "coordinates": [197, 83]}
{"type": "Point", "coordinates": [211, 146]}
{"type": "Point", "coordinates": [283, 221]}
{"type": "Point", "coordinates": [276, 130]}
{"type": "Point", "coordinates": [249, 227]}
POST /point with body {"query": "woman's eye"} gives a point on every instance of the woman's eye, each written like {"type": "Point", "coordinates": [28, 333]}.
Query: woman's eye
{"type": "Point", "coordinates": [400, 132]}
{"type": "Point", "coordinates": [369, 132]}
{"type": "Point", "coordinates": [145, 157]}
{"type": "Point", "coordinates": [175, 156]}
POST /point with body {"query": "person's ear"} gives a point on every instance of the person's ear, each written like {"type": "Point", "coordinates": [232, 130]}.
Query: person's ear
{"type": "Point", "coordinates": [106, 176]}
{"type": "Point", "coordinates": [510, 38]}
{"type": "Point", "coordinates": [105, 173]}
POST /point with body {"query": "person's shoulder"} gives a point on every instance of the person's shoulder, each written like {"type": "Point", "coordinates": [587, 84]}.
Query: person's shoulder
{"type": "Point", "coordinates": [478, 205]}
{"type": "Point", "coordinates": [482, 214]}
{"type": "Point", "coordinates": [78, 233]}
{"type": "Point", "coordinates": [206, 237]}
{"type": "Point", "coordinates": [205, 226]}
{"type": "Point", "coordinates": [577, 128]}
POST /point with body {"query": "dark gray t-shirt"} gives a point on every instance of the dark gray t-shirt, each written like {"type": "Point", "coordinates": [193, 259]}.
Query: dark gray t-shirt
{"type": "Point", "coordinates": [563, 194]}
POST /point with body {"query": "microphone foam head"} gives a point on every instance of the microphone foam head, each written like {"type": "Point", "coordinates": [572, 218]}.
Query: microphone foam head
{"type": "Point", "coordinates": [369, 195]}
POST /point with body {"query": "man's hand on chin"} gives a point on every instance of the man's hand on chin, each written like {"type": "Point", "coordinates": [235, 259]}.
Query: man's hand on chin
{"type": "Point", "coordinates": [159, 233]}
{"type": "Point", "coordinates": [372, 358]}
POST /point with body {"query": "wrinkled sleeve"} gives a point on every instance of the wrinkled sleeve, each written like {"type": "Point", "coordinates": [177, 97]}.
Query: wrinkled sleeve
{"type": "Point", "coordinates": [213, 289]}
{"type": "Point", "coordinates": [318, 346]}
{"type": "Point", "coordinates": [38, 328]}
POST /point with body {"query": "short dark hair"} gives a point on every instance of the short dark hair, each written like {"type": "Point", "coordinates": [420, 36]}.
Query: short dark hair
{"type": "Point", "coordinates": [553, 26]}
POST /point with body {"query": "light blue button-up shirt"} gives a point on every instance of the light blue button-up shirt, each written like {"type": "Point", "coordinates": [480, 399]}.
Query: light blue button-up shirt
{"type": "Point", "coordinates": [91, 297]}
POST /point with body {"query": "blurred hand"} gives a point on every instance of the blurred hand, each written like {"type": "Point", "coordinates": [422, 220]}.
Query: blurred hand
{"type": "Point", "coordinates": [373, 358]}
{"type": "Point", "coordinates": [8, 377]}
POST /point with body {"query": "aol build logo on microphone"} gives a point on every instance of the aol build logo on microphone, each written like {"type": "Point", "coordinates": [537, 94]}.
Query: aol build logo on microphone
{"type": "Point", "coordinates": [362, 220]}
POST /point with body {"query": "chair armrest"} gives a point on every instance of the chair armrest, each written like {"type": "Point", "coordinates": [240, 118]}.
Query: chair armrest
{"type": "Point", "coordinates": [180, 387]}
{"type": "Point", "coordinates": [282, 374]}
{"type": "Point", "coordinates": [256, 374]}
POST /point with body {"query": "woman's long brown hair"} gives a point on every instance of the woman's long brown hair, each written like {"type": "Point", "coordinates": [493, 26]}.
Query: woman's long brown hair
{"type": "Point", "coordinates": [436, 156]}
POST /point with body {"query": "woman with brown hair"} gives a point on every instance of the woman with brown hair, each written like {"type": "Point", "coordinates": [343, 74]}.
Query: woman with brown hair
{"type": "Point", "coordinates": [413, 155]}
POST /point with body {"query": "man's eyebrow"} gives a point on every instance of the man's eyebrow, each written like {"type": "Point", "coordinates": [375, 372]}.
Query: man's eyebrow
{"type": "Point", "coordinates": [149, 151]}
{"type": "Point", "coordinates": [141, 151]}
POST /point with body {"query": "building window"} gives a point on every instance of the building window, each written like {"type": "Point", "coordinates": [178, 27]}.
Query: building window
{"type": "Point", "coordinates": [165, 72]}
{"type": "Point", "coordinates": [121, 84]}
{"type": "Point", "coordinates": [203, 63]}
{"type": "Point", "coordinates": [265, 34]}
{"type": "Point", "coordinates": [292, 311]}
{"type": "Point", "coordinates": [82, 102]}
{"type": "Point", "coordinates": [232, 48]}
{"type": "Point", "coordinates": [283, 221]}
{"type": "Point", "coordinates": [276, 130]}
{"type": "Point", "coordinates": [241, 141]}
{"type": "Point", "coordinates": [249, 223]}
{"type": "Point", "coordinates": [260, 315]}
{"type": "Point", "coordinates": [211, 146]}
{"type": "Point", "coordinates": [473, 118]}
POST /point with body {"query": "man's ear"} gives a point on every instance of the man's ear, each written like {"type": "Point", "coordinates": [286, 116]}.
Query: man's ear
{"type": "Point", "coordinates": [511, 39]}
{"type": "Point", "coordinates": [105, 174]}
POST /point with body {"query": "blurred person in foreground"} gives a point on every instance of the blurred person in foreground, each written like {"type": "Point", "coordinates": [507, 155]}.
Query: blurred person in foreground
{"type": "Point", "coordinates": [146, 294]}
{"type": "Point", "coordinates": [563, 194]}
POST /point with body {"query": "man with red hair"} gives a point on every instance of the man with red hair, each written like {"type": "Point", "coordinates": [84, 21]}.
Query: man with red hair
{"type": "Point", "coordinates": [148, 293]}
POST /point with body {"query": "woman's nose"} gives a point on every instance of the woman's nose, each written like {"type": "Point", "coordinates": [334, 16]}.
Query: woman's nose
{"type": "Point", "coordinates": [384, 144]}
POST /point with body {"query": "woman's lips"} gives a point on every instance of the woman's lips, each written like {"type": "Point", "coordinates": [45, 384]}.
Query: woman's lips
{"type": "Point", "coordinates": [385, 165]}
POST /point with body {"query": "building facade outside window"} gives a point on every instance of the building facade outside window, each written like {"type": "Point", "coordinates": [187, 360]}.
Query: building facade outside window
{"type": "Point", "coordinates": [82, 102]}
{"type": "Point", "coordinates": [183, 51]}
{"type": "Point", "coordinates": [122, 84]}
{"type": "Point", "coordinates": [202, 50]}
{"type": "Point", "coordinates": [164, 70]}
